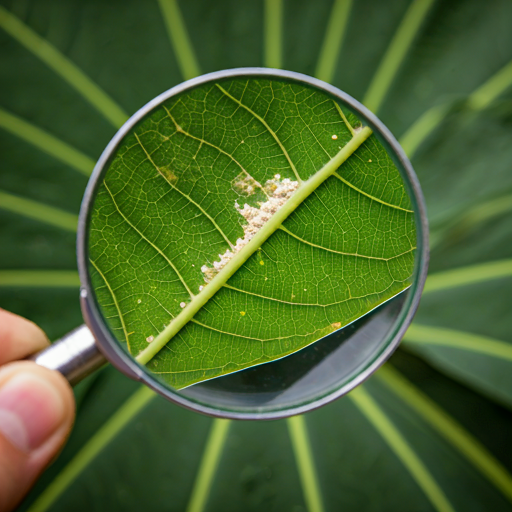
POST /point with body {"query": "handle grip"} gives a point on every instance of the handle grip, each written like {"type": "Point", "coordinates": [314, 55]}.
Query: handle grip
{"type": "Point", "coordinates": [75, 355]}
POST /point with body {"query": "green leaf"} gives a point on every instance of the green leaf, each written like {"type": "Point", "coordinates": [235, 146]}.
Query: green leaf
{"type": "Point", "coordinates": [337, 452]}
{"type": "Point", "coordinates": [326, 232]}
{"type": "Point", "coordinates": [154, 460]}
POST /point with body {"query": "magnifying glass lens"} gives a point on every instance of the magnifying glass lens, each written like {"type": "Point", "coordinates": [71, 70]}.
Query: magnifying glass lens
{"type": "Point", "coordinates": [255, 241]}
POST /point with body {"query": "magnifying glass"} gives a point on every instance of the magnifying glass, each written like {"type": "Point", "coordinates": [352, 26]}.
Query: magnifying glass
{"type": "Point", "coordinates": [252, 244]}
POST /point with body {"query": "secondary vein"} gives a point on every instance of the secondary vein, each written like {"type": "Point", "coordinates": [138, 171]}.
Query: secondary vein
{"type": "Point", "coordinates": [186, 196]}
{"type": "Point", "coordinates": [276, 138]}
{"type": "Point", "coordinates": [401, 448]}
{"type": "Point", "coordinates": [253, 338]}
{"type": "Point", "coordinates": [157, 249]}
{"type": "Point", "coordinates": [342, 253]}
{"type": "Point", "coordinates": [370, 196]}
{"type": "Point", "coordinates": [180, 39]}
{"type": "Point", "coordinates": [344, 118]}
{"type": "Point", "coordinates": [179, 129]}
{"type": "Point", "coordinates": [115, 301]}
{"type": "Point", "coordinates": [314, 305]}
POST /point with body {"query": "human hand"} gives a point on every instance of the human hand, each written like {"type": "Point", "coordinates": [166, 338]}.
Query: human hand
{"type": "Point", "coordinates": [36, 409]}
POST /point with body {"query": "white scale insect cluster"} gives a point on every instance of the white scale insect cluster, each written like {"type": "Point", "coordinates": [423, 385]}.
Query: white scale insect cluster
{"type": "Point", "coordinates": [278, 192]}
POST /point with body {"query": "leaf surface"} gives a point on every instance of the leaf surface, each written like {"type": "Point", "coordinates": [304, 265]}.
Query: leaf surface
{"type": "Point", "coordinates": [169, 216]}
{"type": "Point", "coordinates": [153, 462]}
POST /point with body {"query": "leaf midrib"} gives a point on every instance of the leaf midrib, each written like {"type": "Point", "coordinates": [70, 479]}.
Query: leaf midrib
{"type": "Point", "coordinates": [303, 191]}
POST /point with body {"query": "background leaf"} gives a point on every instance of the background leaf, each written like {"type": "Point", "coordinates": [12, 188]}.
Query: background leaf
{"type": "Point", "coordinates": [458, 48]}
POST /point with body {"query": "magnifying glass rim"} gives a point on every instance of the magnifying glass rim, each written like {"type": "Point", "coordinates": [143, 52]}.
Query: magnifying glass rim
{"type": "Point", "coordinates": [126, 364]}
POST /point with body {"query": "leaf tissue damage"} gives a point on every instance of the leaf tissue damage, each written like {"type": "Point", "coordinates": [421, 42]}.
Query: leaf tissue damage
{"type": "Point", "coordinates": [242, 221]}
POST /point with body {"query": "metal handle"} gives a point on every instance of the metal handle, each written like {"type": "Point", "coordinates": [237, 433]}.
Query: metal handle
{"type": "Point", "coordinates": [75, 355]}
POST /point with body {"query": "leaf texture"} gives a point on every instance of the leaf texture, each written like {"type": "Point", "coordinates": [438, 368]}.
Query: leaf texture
{"type": "Point", "coordinates": [170, 206]}
{"type": "Point", "coordinates": [152, 463]}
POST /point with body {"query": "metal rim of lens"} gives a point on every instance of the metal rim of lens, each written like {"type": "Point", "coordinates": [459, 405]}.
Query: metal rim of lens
{"type": "Point", "coordinates": [127, 364]}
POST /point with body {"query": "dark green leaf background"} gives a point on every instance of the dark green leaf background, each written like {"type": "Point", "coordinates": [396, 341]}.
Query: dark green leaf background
{"type": "Point", "coordinates": [431, 430]}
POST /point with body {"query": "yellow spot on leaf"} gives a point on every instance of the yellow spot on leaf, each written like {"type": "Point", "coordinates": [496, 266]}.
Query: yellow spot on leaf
{"type": "Point", "coordinates": [262, 262]}
{"type": "Point", "coordinates": [334, 137]}
{"type": "Point", "coordinates": [336, 325]}
{"type": "Point", "coordinates": [168, 174]}
{"type": "Point", "coordinates": [245, 185]}
{"type": "Point", "coordinates": [242, 313]}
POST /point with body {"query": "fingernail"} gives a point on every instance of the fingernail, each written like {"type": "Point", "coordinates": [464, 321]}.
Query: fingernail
{"type": "Point", "coordinates": [31, 410]}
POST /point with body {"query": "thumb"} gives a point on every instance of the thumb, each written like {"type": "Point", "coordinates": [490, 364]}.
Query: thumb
{"type": "Point", "coordinates": [36, 415]}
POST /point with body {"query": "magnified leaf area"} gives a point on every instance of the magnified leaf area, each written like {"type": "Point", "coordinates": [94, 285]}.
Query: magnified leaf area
{"type": "Point", "coordinates": [241, 221]}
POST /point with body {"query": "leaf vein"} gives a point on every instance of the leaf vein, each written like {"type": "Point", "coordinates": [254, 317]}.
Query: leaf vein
{"type": "Point", "coordinates": [115, 302]}
{"type": "Point", "coordinates": [343, 253]}
{"type": "Point", "coordinates": [171, 264]}
{"type": "Point", "coordinates": [370, 196]}
{"type": "Point", "coordinates": [274, 135]}
{"type": "Point", "coordinates": [186, 196]}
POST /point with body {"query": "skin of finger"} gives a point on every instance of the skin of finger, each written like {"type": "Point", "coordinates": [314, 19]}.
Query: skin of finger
{"type": "Point", "coordinates": [19, 470]}
{"type": "Point", "coordinates": [19, 337]}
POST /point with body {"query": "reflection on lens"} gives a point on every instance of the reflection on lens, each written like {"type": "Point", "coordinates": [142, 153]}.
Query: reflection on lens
{"type": "Point", "coordinates": [252, 220]}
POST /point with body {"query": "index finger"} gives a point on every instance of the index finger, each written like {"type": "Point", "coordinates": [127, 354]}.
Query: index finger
{"type": "Point", "coordinates": [19, 337]}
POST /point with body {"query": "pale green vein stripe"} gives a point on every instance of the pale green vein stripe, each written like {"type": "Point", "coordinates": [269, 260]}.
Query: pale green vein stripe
{"type": "Point", "coordinates": [46, 142]}
{"type": "Point", "coordinates": [297, 429]}
{"type": "Point", "coordinates": [263, 340]}
{"type": "Point", "coordinates": [485, 211]}
{"type": "Point", "coordinates": [478, 100]}
{"type": "Point", "coordinates": [39, 278]}
{"type": "Point", "coordinates": [92, 448]}
{"type": "Point", "coordinates": [423, 127]}
{"type": "Point", "coordinates": [492, 88]}
{"type": "Point", "coordinates": [208, 466]}
{"type": "Point", "coordinates": [395, 54]}
{"type": "Point", "coordinates": [333, 40]}
{"type": "Point", "coordinates": [180, 40]}
{"type": "Point", "coordinates": [273, 33]}
{"type": "Point", "coordinates": [401, 448]}
{"type": "Point", "coordinates": [472, 217]}
{"type": "Point", "coordinates": [63, 67]}
{"type": "Point", "coordinates": [116, 304]}
{"type": "Point", "coordinates": [426, 335]}
{"type": "Point", "coordinates": [38, 211]}
{"type": "Point", "coordinates": [448, 428]}
{"type": "Point", "coordinates": [468, 275]}
{"type": "Point", "coordinates": [405, 284]}
{"type": "Point", "coordinates": [373, 198]}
